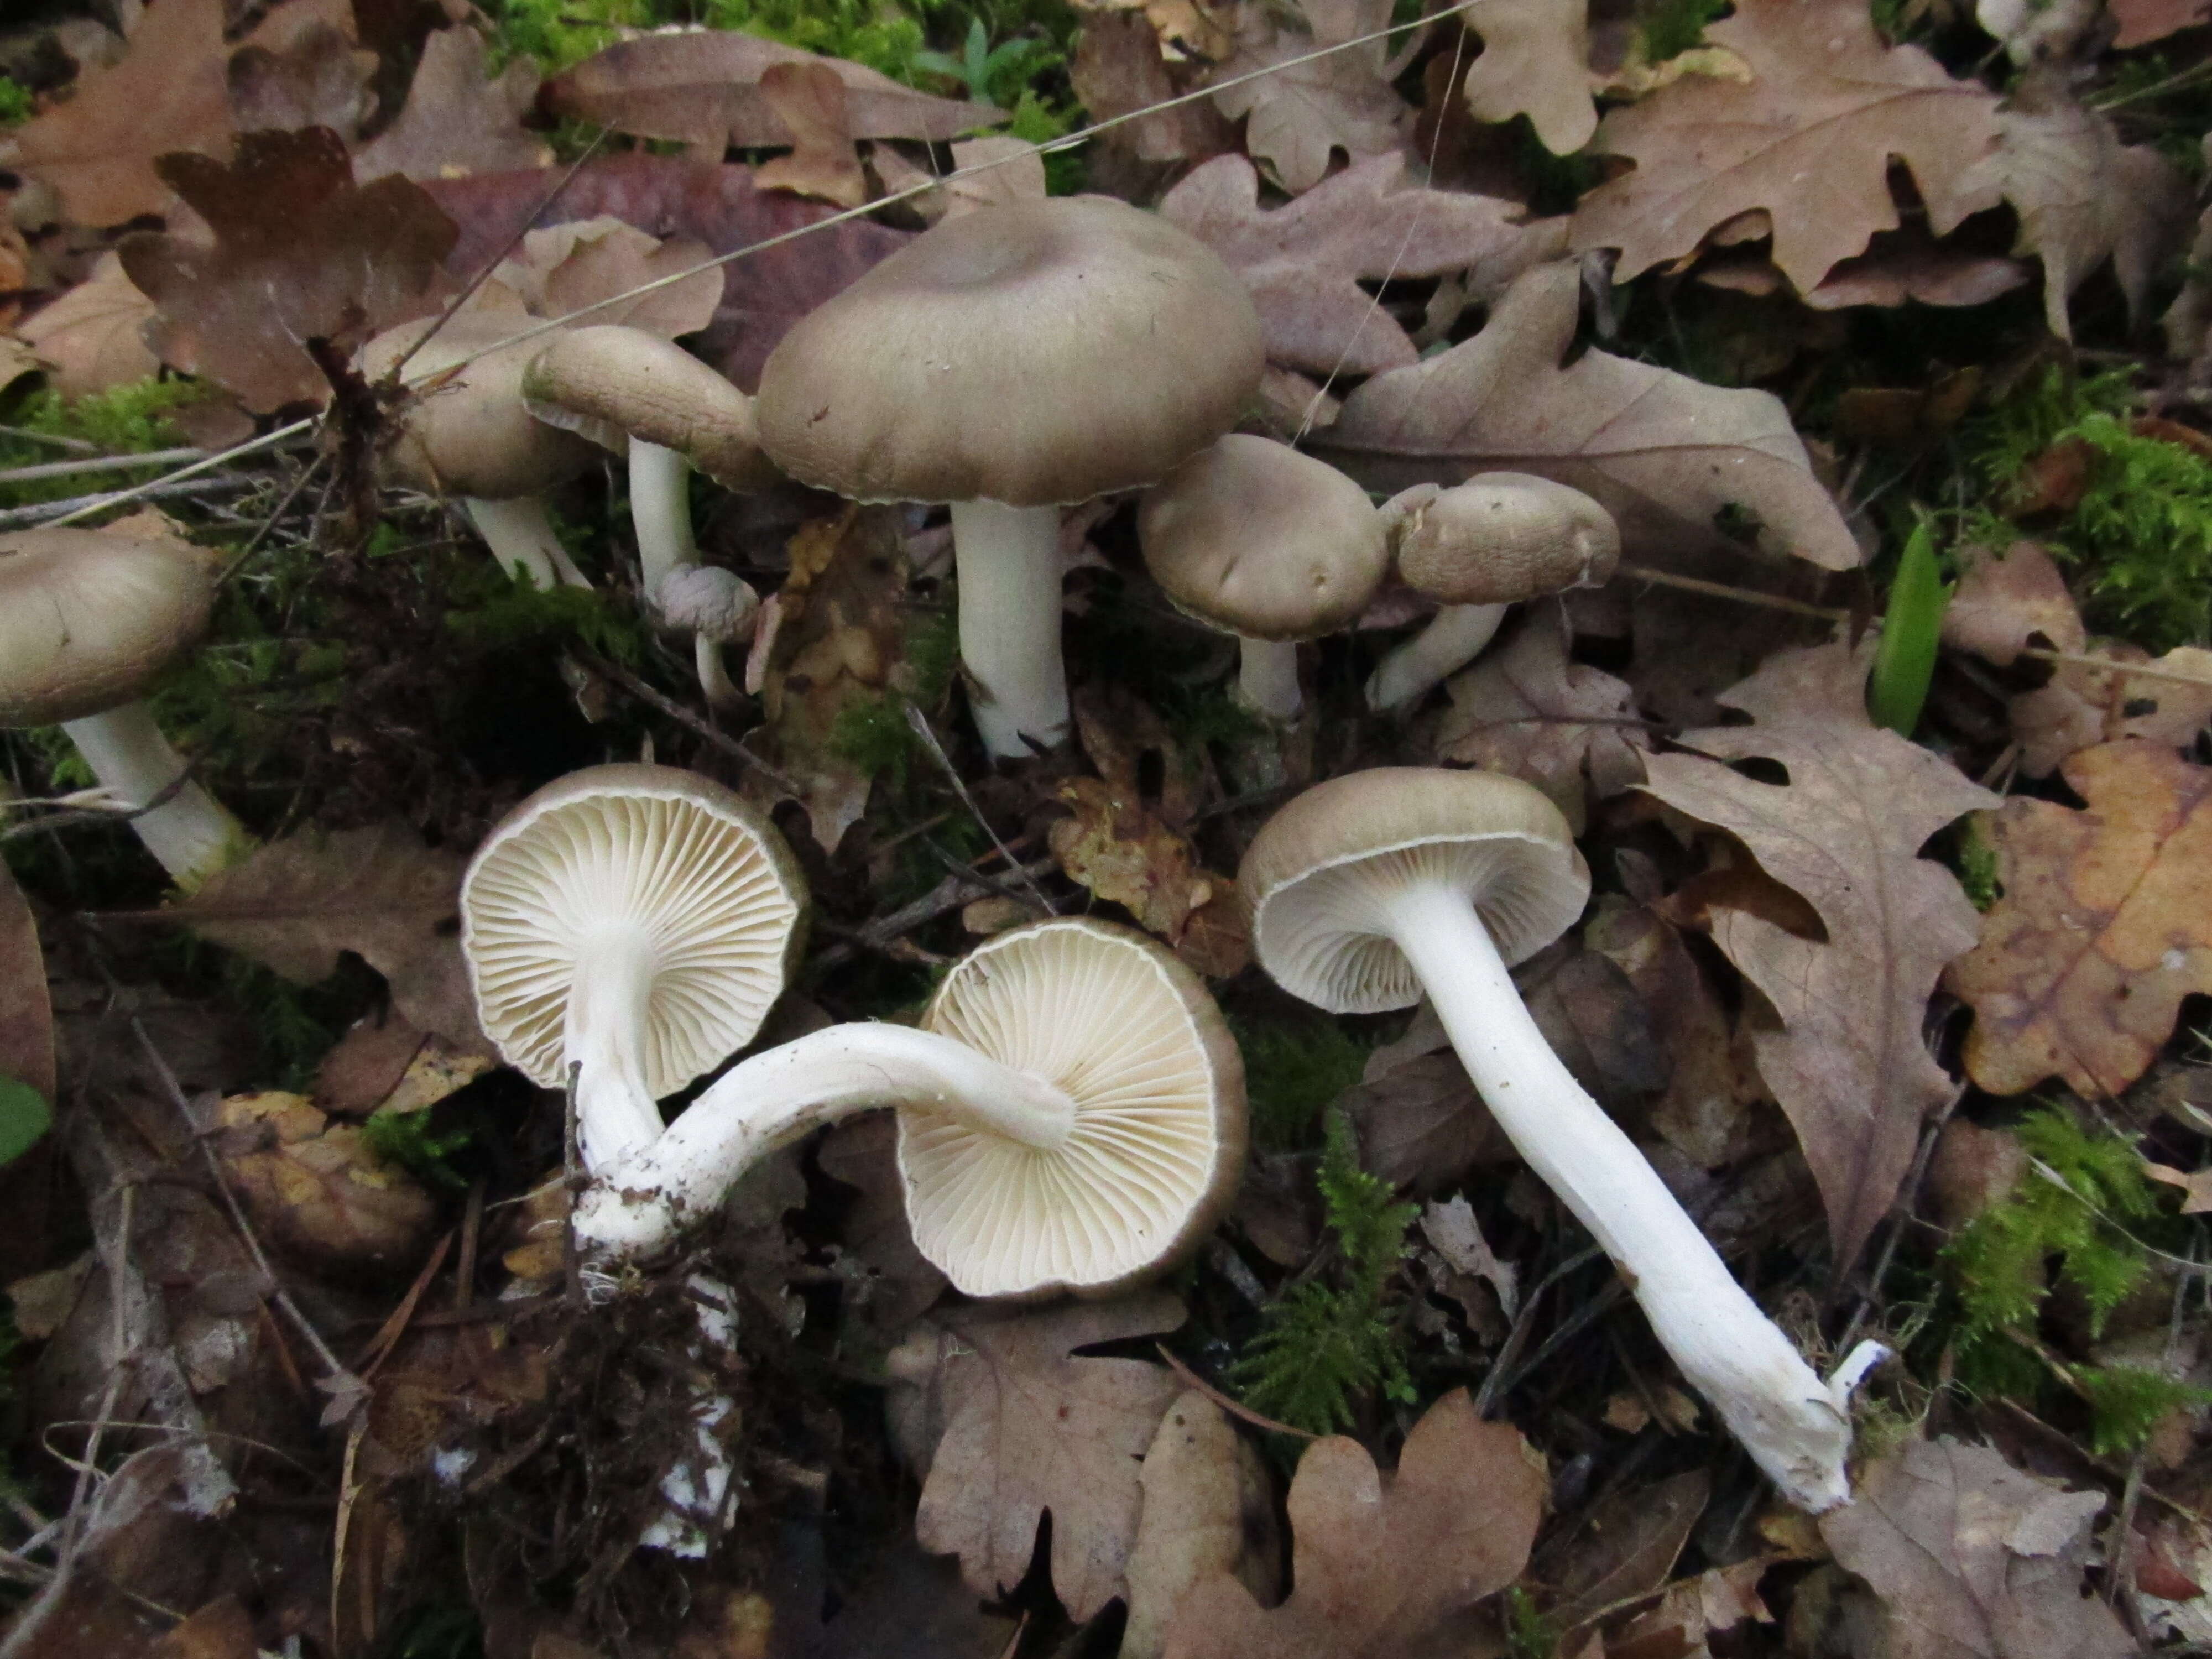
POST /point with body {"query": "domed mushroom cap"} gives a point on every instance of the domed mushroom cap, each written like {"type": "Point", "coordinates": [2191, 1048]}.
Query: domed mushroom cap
{"type": "Point", "coordinates": [471, 435]}
{"type": "Point", "coordinates": [613, 858]}
{"type": "Point", "coordinates": [1321, 873]}
{"type": "Point", "coordinates": [1255, 537]}
{"type": "Point", "coordinates": [611, 384]}
{"type": "Point", "coordinates": [88, 616]}
{"type": "Point", "coordinates": [1158, 1146]}
{"type": "Point", "coordinates": [1503, 537]}
{"type": "Point", "coordinates": [1030, 354]}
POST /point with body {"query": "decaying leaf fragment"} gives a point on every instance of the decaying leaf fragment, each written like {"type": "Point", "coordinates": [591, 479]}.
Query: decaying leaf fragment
{"type": "Point", "coordinates": [1534, 62]}
{"type": "Point", "coordinates": [1029, 1425]}
{"type": "Point", "coordinates": [92, 336]}
{"type": "Point", "coordinates": [1378, 1563]}
{"type": "Point", "coordinates": [315, 1189]}
{"type": "Point", "coordinates": [1664, 453]}
{"type": "Point", "coordinates": [1208, 1509]}
{"type": "Point", "coordinates": [2106, 924]}
{"type": "Point", "coordinates": [1297, 118]}
{"type": "Point", "coordinates": [1848, 1065]}
{"type": "Point", "coordinates": [458, 119]}
{"type": "Point", "coordinates": [1809, 141]}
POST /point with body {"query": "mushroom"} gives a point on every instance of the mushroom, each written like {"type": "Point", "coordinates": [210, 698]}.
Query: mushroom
{"type": "Point", "coordinates": [652, 401]}
{"type": "Point", "coordinates": [1271, 545]}
{"type": "Point", "coordinates": [1071, 1117]}
{"type": "Point", "coordinates": [716, 607]}
{"type": "Point", "coordinates": [1480, 546]}
{"type": "Point", "coordinates": [471, 436]}
{"type": "Point", "coordinates": [88, 619]}
{"type": "Point", "coordinates": [1010, 362]}
{"type": "Point", "coordinates": [1369, 889]}
{"type": "Point", "coordinates": [635, 922]}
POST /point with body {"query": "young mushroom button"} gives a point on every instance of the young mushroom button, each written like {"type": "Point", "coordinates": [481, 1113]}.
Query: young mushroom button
{"type": "Point", "coordinates": [1272, 546]}
{"type": "Point", "coordinates": [1071, 1117]}
{"type": "Point", "coordinates": [1011, 361]}
{"type": "Point", "coordinates": [1369, 890]}
{"type": "Point", "coordinates": [637, 922]}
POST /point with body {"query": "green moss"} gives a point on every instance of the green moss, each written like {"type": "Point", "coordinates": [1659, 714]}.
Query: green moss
{"type": "Point", "coordinates": [1292, 1073]}
{"type": "Point", "coordinates": [871, 733]}
{"type": "Point", "coordinates": [124, 420]}
{"type": "Point", "coordinates": [496, 613]}
{"type": "Point", "coordinates": [1670, 28]}
{"type": "Point", "coordinates": [1331, 1340]}
{"type": "Point", "coordinates": [15, 102]}
{"type": "Point", "coordinates": [410, 1140]}
{"type": "Point", "coordinates": [1976, 864]}
{"type": "Point", "coordinates": [2126, 1403]}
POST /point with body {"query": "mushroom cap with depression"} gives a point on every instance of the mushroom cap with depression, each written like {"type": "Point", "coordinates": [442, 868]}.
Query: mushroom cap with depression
{"type": "Point", "coordinates": [1503, 537]}
{"type": "Point", "coordinates": [1321, 872]}
{"type": "Point", "coordinates": [1030, 354]}
{"type": "Point", "coordinates": [613, 857]}
{"type": "Point", "coordinates": [1157, 1145]}
{"type": "Point", "coordinates": [1255, 537]}
{"type": "Point", "coordinates": [471, 435]}
{"type": "Point", "coordinates": [88, 616]}
{"type": "Point", "coordinates": [612, 384]}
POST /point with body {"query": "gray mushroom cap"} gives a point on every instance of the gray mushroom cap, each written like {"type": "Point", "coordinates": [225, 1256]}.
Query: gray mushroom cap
{"type": "Point", "coordinates": [1500, 537]}
{"type": "Point", "coordinates": [611, 384]}
{"type": "Point", "coordinates": [471, 435]}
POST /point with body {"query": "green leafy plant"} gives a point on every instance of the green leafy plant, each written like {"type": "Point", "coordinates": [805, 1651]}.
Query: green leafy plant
{"type": "Point", "coordinates": [24, 1117]}
{"type": "Point", "coordinates": [1912, 626]}
{"type": "Point", "coordinates": [15, 102]}
{"type": "Point", "coordinates": [1332, 1338]}
{"type": "Point", "coordinates": [1292, 1072]}
{"type": "Point", "coordinates": [408, 1139]}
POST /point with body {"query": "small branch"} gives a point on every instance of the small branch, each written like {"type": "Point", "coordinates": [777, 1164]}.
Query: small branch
{"type": "Point", "coordinates": [948, 895]}
{"type": "Point", "coordinates": [1191, 1379]}
{"type": "Point", "coordinates": [923, 729]}
{"type": "Point", "coordinates": [675, 711]}
{"type": "Point", "coordinates": [53, 512]}
{"type": "Point", "coordinates": [100, 463]}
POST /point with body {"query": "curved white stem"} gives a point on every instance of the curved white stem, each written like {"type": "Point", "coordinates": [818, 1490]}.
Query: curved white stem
{"type": "Point", "coordinates": [782, 1094]}
{"type": "Point", "coordinates": [660, 511]}
{"type": "Point", "coordinates": [521, 537]}
{"type": "Point", "coordinates": [616, 1113]}
{"type": "Point", "coordinates": [1729, 1351]}
{"type": "Point", "coordinates": [1267, 680]}
{"type": "Point", "coordinates": [1008, 561]}
{"type": "Point", "coordinates": [192, 835]}
{"type": "Point", "coordinates": [722, 692]}
{"type": "Point", "coordinates": [1448, 641]}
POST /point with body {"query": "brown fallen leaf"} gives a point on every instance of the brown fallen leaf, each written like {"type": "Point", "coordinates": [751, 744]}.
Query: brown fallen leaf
{"type": "Point", "coordinates": [169, 93]}
{"type": "Point", "coordinates": [1662, 453]}
{"type": "Point", "coordinates": [1119, 70]}
{"type": "Point", "coordinates": [1295, 118]}
{"type": "Point", "coordinates": [1030, 1425]}
{"type": "Point", "coordinates": [810, 100]}
{"type": "Point", "coordinates": [1380, 1566]}
{"type": "Point", "coordinates": [1809, 140]}
{"type": "Point", "coordinates": [315, 1189]}
{"type": "Point", "coordinates": [1304, 263]}
{"type": "Point", "coordinates": [2196, 1185]}
{"type": "Point", "coordinates": [2084, 705]}
{"type": "Point", "coordinates": [301, 252]}
{"type": "Point", "coordinates": [1013, 171]}
{"type": "Point", "coordinates": [1451, 1229]}
{"type": "Point", "coordinates": [2104, 925]}
{"type": "Point", "coordinates": [1419, 1121]}
{"type": "Point", "coordinates": [2082, 197]}
{"type": "Point", "coordinates": [92, 336]}
{"type": "Point", "coordinates": [702, 87]}
{"type": "Point", "coordinates": [26, 1010]}
{"type": "Point", "coordinates": [2143, 21]}
{"type": "Point", "coordinates": [1622, 1549]}
{"type": "Point", "coordinates": [1899, 266]}
{"type": "Point", "coordinates": [1534, 62]}
{"type": "Point", "coordinates": [894, 1283]}
{"type": "Point", "coordinates": [2008, 601]}
{"type": "Point", "coordinates": [319, 80]}
{"type": "Point", "coordinates": [293, 905]}
{"type": "Point", "coordinates": [1208, 1509]}
{"type": "Point", "coordinates": [1967, 1555]}
{"type": "Point", "coordinates": [1848, 1065]}
{"type": "Point", "coordinates": [567, 268]}
{"type": "Point", "coordinates": [1693, 1611]}
{"type": "Point", "coordinates": [458, 119]}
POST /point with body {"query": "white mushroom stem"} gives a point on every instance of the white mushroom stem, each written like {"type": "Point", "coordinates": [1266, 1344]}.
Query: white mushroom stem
{"type": "Point", "coordinates": [714, 682]}
{"type": "Point", "coordinates": [521, 537]}
{"type": "Point", "coordinates": [660, 511]}
{"type": "Point", "coordinates": [1009, 565]}
{"type": "Point", "coordinates": [609, 999]}
{"type": "Point", "coordinates": [778, 1096]}
{"type": "Point", "coordinates": [1796, 1430]}
{"type": "Point", "coordinates": [1268, 680]}
{"type": "Point", "coordinates": [192, 835]}
{"type": "Point", "coordinates": [1450, 640]}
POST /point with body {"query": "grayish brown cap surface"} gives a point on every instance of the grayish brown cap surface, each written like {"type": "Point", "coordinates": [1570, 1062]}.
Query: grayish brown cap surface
{"type": "Point", "coordinates": [1255, 537]}
{"type": "Point", "coordinates": [1158, 1147]}
{"type": "Point", "coordinates": [471, 434]}
{"type": "Point", "coordinates": [611, 384]}
{"type": "Point", "coordinates": [1502, 536]}
{"type": "Point", "coordinates": [699, 867]}
{"type": "Point", "coordinates": [1030, 354]}
{"type": "Point", "coordinates": [88, 616]}
{"type": "Point", "coordinates": [1321, 873]}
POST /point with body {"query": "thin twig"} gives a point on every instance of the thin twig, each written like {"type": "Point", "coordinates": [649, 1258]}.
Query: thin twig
{"type": "Point", "coordinates": [177, 484]}
{"type": "Point", "coordinates": [1191, 1379]}
{"type": "Point", "coordinates": [950, 894]}
{"type": "Point", "coordinates": [101, 464]}
{"type": "Point", "coordinates": [156, 488]}
{"type": "Point", "coordinates": [923, 729]}
{"type": "Point", "coordinates": [675, 711]}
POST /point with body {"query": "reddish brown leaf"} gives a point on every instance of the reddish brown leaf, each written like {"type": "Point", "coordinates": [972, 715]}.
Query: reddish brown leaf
{"type": "Point", "coordinates": [812, 103]}
{"type": "Point", "coordinates": [27, 1013]}
{"type": "Point", "coordinates": [318, 81]}
{"type": "Point", "coordinates": [2143, 21]}
{"type": "Point", "coordinates": [94, 335]}
{"type": "Point", "coordinates": [1297, 118]}
{"type": "Point", "coordinates": [458, 120]}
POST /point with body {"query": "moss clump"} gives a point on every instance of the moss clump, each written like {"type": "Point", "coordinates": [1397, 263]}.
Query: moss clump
{"type": "Point", "coordinates": [1292, 1073]}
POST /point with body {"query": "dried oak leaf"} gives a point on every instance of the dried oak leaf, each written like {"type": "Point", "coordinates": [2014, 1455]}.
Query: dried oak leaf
{"type": "Point", "coordinates": [1119, 70]}
{"type": "Point", "coordinates": [1663, 452]}
{"type": "Point", "coordinates": [1030, 1425]}
{"type": "Point", "coordinates": [1534, 62]}
{"type": "Point", "coordinates": [1208, 1509]}
{"type": "Point", "coordinates": [458, 118]}
{"type": "Point", "coordinates": [93, 336]}
{"type": "Point", "coordinates": [169, 93]}
{"type": "Point", "coordinates": [321, 79]}
{"type": "Point", "coordinates": [1304, 263]}
{"type": "Point", "coordinates": [1621, 1550]}
{"type": "Point", "coordinates": [1969, 1556]}
{"type": "Point", "coordinates": [300, 252]}
{"type": "Point", "coordinates": [2008, 601]}
{"type": "Point", "coordinates": [2143, 21]}
{"type": "Point", "coordinates": [1380, 1566]}
{"type": "Point", "coordinates": [1524, 708]}
{"type": "Point", "coordinates": [815, 108]}
{"type": "Point", "coordinates": [2082, 197]}
{"type": "Point", "coordinates": [2084, 706]}
{"type": "Point", "coordinates": [2106, 924]}
{"type": "Point", "coordinates": [1848, 1065]}
{"type": "Point", "coordinates": [26, 1011]}
{"type": "Point", "coordinates": [702, 87]}
{"type": "Point", "coordinates": [294, 905]}
{"type": "Point", "coordinates": [1296, 118]}
{"type": "Point", "coordinates": [762, 294]}
{"type": "Point", "coordinates": [316, 1189]}
{"type": "Point", "coordinates": [567, 268]}
{"type": "Point", "coordinates": [1809, 140]}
